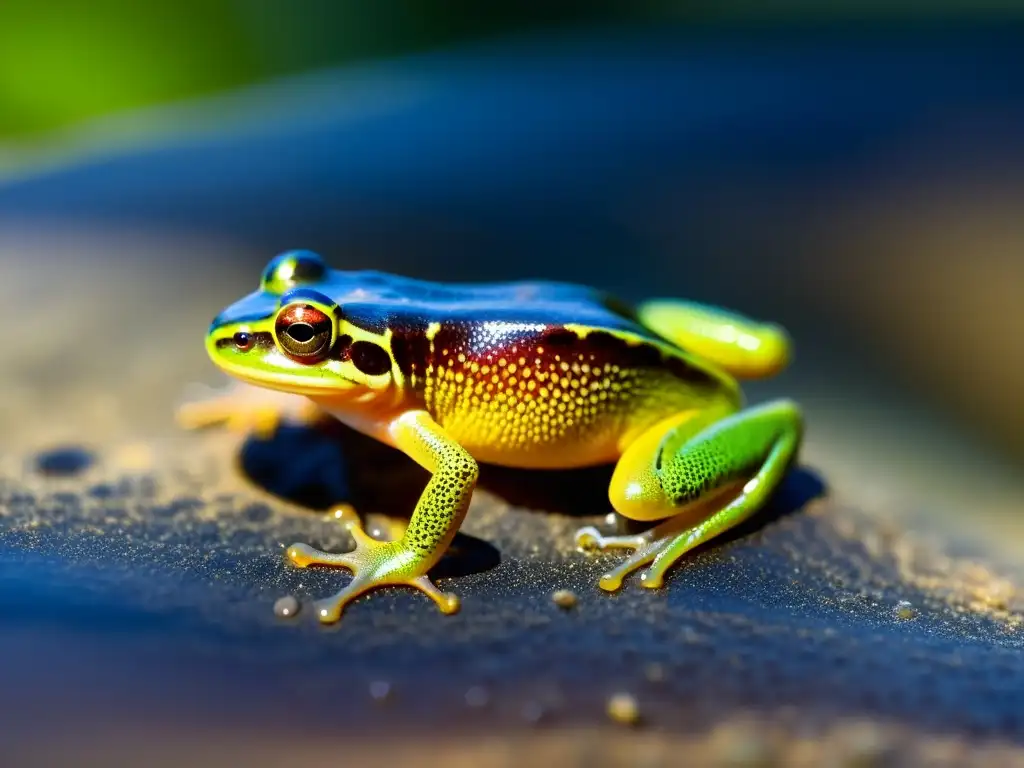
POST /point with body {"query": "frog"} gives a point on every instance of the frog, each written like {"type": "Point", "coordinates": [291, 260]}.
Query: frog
{"type": "Point", "coordinates": [531, 374]}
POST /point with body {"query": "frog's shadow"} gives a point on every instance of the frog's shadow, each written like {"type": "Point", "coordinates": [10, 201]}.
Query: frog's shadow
{"type": "Point", "coordinates": [326, 464]}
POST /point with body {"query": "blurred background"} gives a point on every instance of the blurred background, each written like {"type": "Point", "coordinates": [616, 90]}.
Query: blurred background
{"type": "Point", "coordinates": [854, 173]}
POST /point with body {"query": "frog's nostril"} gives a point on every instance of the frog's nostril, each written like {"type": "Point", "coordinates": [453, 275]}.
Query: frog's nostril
{"type": "Point", "coordinates": [243, 341]}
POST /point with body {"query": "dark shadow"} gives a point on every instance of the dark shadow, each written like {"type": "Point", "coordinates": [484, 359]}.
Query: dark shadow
{"type": "Point", "coordinates": [326, 464]}
{"type": "Point", "coordinates": [800, 487]}
{"type": "Point", "coordinates": [467, 555]}
{"type": "Point", "coordinates": [576, 492]}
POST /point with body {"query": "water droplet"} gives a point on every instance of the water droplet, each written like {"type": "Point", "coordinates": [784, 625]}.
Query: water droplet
{"type": "Point", "coordinates": [380, 690]}
{"type": "Point", "coordinates": [286, 607]}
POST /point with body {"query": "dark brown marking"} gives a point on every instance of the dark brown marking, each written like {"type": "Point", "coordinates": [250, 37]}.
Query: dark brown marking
{"type": "Point", "coordinates": [689, 373]}
{"type": "Point", "coordinates": [371, 359]}
{"type": "Point", "coordinates": [559, 337]}
{"type": "Point", "coordinates": [342, 348]}
{"type": "Point", "coordinates": [411, 350]}
{"type": "Point", "coordinates": [604, 340]}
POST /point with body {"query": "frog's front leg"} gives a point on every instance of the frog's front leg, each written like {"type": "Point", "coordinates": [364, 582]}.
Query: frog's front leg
{"type": "Point", "coordinates": [433, 525]}
{"type": "Point", "coordinates": [702, 479]}
{"type": "Point", "coordinates": [244, 409]}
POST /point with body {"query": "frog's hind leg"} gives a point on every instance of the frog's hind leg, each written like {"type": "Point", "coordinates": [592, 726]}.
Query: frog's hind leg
{"type": "Point", "coordinates": [701, 479]}
{"type": "Point", "coordinates": [743, 347]}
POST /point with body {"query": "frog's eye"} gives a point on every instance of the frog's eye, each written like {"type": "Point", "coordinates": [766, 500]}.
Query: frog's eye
{"type": "Point", "coordinates": [292, 268]}
{"type": "Point", "coordinates": [304, 332]}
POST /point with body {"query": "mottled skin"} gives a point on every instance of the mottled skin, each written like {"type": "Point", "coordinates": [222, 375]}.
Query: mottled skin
{"type": "Point", "coordinates": [527, 374]}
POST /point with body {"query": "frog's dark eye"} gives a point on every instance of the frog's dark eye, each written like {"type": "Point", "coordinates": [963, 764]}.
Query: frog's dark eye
{"type": "Point", "coordinates": [304, 332]}
{"type": "Point", "coordinates": [292, 268]}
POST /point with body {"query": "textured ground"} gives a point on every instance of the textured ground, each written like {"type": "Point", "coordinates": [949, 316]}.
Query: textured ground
{"type": "Point", "coordinates": [139, 566]}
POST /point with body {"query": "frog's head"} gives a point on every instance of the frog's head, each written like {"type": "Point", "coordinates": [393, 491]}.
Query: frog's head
{"type": "Point", "coordinates": [291, 335]}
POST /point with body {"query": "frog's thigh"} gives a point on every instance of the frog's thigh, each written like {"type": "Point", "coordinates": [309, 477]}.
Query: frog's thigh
{"type": "Point", "coordinates": [703, 482]}
{"type": "Point", "coordinates": [744, 347]}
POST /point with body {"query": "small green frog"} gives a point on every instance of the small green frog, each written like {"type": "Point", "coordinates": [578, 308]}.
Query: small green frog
{"type": "Point", "coordinates": [537, 375]}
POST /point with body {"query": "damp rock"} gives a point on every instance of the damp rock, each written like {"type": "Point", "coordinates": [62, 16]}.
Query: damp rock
{"type": "Point", "coordinates": [257, 513]}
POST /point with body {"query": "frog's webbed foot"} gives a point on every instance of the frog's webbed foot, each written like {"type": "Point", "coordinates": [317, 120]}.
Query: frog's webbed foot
{"type": "Point", "coordinates": [373, 564]}
{"type": "Point", "coordinates": [701, 478]}
{"type": "Point", "coordinates": [645, 546]}
{"type": "Point", "coordinates": [244, 409]}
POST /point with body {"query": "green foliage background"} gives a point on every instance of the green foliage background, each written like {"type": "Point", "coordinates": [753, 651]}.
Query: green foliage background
{"type": "Point", "coordinates": [63, 61]}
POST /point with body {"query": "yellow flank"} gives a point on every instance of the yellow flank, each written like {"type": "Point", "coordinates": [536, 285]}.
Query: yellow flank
{"type": "Point", "coordinates": [530, 407]}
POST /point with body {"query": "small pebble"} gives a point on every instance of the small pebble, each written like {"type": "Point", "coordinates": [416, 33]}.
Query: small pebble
{"type": "Point", "coordinates": [623, 708]}
{"type": "Point", "coordinates": [564, 598]}
{"type": "Point", "coordinates": [380, 690]}
{"type": "Point", "coordinates": [655, 672]}
{"type": "Point", "coordinates": [286, 607]}
{"type": "Point", "coordinates": [533, 712]}
{"type": "Point", "coordinates": [477, 697]}
{"type": "Point", "coordinates": [904, 610]}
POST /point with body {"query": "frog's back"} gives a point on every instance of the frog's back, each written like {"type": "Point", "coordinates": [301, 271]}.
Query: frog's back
{"type": "Point", "coordinates": [376, 301]}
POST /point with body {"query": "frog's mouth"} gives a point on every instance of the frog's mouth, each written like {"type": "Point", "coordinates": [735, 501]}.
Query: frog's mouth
{"type": "Point", "coordinates": [270, 369]}
{"type": "Point", "coordinates": [290, 383]}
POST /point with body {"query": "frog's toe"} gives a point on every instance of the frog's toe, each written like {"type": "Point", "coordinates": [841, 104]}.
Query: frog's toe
{"type": "Point", "coordinates": [651, 579]}
{"type": "Point", "coordinates": [612, 581]}
{"type": "Point", "coordinates": [373, 564]}
{"type": "Point", "coordinates": [303, 556]}
{"type": "Point", "coordinates": [589, 539]}
{"type": "Point", "coordinates": [328, 610]}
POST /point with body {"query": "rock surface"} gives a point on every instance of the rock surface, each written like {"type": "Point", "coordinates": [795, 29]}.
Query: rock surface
{"type": "Point", "coordinates": [140, 567]}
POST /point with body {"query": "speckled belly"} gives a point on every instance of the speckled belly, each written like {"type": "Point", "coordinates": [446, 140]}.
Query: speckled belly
{"type": "Point", "coordinates": [528, 406]}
